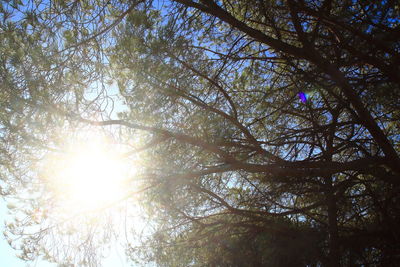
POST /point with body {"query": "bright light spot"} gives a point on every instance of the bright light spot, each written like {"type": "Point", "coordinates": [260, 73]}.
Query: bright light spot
{"type": "Point", "coordinates": [93, 178]}
{"type": "Point", "coordinates": [88, 176]}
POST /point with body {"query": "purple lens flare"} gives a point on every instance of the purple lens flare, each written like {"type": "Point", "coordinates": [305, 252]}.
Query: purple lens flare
{"type": "Point", "coordinates": [303, 97]}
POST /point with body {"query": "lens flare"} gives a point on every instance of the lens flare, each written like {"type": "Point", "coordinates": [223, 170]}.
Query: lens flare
{"type": "Point", "coordinates": [303, 97]}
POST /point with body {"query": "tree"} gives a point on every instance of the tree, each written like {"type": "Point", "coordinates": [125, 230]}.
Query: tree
{"type": "Point", "coordinates": [242, 171]}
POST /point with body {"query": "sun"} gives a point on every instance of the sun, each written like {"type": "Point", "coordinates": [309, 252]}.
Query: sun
{"type": "Point", "coordinates": [88, 175]}
{"type": "Point", "coordinates": [93, 178]}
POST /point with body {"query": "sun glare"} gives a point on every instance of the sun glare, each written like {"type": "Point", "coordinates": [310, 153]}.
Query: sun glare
{"type": "Point", "coordinates": [89, 176]}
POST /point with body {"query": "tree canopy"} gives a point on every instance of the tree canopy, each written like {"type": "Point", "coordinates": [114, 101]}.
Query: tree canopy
{"type": "Point", "coordinates": [263, 133]}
